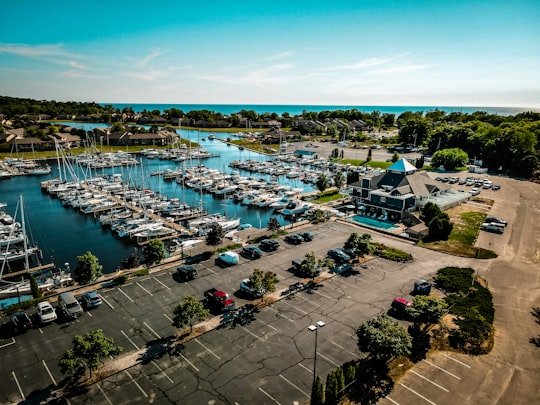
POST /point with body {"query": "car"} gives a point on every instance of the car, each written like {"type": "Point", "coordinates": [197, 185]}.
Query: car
{"type": "Point", "coordinates": [462, 182]}
{"type": "Point", "coordinates": [495, 187]}
{"type": "Point", "coordinates": [186, 272]}
{"type": "Point", "coordinates": [245, 286]}
{"type": "Point", "coordinates": [45, 312]}
{"type": "Point", "coordinates": [251, 252]}
{"type": "Point", "coordinates": [91, 299]}
{"type": "Point", "coordinates": [308, 236]}
{"type": "Point", "coordinates": [269, 245]}
{"type": "Point", "coordinates": [338, 255]}
{"type": "Point", "coordinates": [226, 259]}
{"type": "Point", "coordinates": [294, 239]}
{"type": "Point", "coordinates": [69, 305]}
{"type": "Point", "coordinates": [21, 321]}
{"type": "Point", "coordinates": [496, 220]}
{"type": "Point", "coordinates": [438, 178]}
{"type": "Point", "coordinates": [400, 304]}
{"type": "Point", "coordinates": [475, 191]}
{"type": "Point", "coordinates": [492, 227]}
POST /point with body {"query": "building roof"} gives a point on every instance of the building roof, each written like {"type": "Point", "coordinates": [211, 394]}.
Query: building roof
{"type": "Point", "coordinates": [402, 166]}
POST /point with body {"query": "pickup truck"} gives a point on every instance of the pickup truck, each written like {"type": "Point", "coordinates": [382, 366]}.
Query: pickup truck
{"type": "Point", "coordinates": [219, 300]}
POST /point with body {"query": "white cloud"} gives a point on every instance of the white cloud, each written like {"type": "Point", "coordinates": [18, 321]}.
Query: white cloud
{"type": "Point", "coordinates": [400, 68]}
{"type": "Point", "coordinates": [366, 63]}
{"type": "Point", "coordinates": [76, 65]}
{"type": "Point", "coordinates": [269, 75]}
{"type": "Point", "coordinates": [38, 51]}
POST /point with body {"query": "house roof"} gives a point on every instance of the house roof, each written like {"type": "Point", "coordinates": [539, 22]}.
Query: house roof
{"type": "Point", "coordinates": [402, 166]}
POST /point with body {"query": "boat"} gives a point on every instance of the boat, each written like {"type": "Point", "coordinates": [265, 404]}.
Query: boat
{"type": "Point", "coordinates": [295, 208]}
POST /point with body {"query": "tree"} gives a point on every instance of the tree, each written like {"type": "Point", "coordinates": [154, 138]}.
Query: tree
{"type": "Point", "coordinates": [449, 158]}
{"type": "Point", "coordinates": [311, 265]}
{"type": "Point", "coordinates": [334, 154]}
{"type": "Point", "coordinates": [413, 131]}
{"type": "Point", "coordinates": [322, 182]}
{"type": "Point", "coordinates": [317, 392]}
{"type": "Point", "coordinates": [339, 180]}
{"type": "Point", "coordinates": [395, 157]}
{"type": "Point", "coordinates": [214, 235]}
{"type": "Point", "coordinates": [34, 288]}
{"type": "Point", "coordinates": [263, 282]}
{"type": "Point", "coordinates": [87, 352]}
{"type": "Point", "coordinates": [430, 211]}
{"type": "Point", "coordinates": [427, 310]}
{"type": "Point", "coordinates": [360, 245]}
{"type": "Point", "coordinates": [131, 262]}
{"type": "Point", "coordinates": [383, 338]}
{"type": "Point", "coordinates": [440, 227]}
{"type": "Point", "coordinates": [273, 224]}
{"type": "Point", "coordinates": [420, 162]}
{"type": "Point", "coordinates": [88, 269]}
{"type": "Point", "coordinates": [154, 251]}
{"type": "Point", "coordinates": [188, 311]}
{"type": "Point", "coordinates": [317, 216]}
{"type": "Point", "coordinates": [369, 153]}
{"type": "Point", "coordinates": [331, 393]}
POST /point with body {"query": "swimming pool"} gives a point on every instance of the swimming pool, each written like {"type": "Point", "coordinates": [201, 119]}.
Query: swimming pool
{"type": "Point", "coordinates": [374, 223]}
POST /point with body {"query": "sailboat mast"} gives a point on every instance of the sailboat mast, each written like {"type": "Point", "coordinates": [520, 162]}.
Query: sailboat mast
{"type": "Point", "coordinates": [26, 262]}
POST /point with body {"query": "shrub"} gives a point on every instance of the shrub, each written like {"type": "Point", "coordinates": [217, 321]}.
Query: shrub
{"type": "Point", "coordinates": [142, 272]}
{"type": "Point", "coordinates": [390, 253]}
{"type": "Point", "coordinates": [121, 279]}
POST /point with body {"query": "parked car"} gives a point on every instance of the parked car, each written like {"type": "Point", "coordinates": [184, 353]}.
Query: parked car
{"type": "Point", "coordinates": [245, 286]}
{"type": "Point", "coordinates": [21, 321]}
{"type": "Point", "coordinates": [294, 239]}
{"type": "Point", "coordinates": [308, 236]}
{"type": "Point", "coordinates": [269, 245]}
{"type": "Point", "coordinates": [495, 187]}
{"type": "Point", "coordinates": [496, 220]}
{"type": "Point", "coordinates": [475, 191]}
{"type": "Point", "coordinates": [338, 255]}
{"type": "Point", "coordinates": [251, 252]}
{"type": "Point", "coordinates": [219, 300]}
{"type": "Point", "coordinates": [226, 259]}
{"type": "Point", "coordinates": [45, 312]}
{"type": "Point", "coordinates": [186, 272]}
{"type": "Point", "coordinates": [91, 299]}
{"type": "Point", "coordinates": [400, 305]}
{"type": "Point", "coordinates": [71, 308]}
{"type": "Point", "coordinates": [492, 227]}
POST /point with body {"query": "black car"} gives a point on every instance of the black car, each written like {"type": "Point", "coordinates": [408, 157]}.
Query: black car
{"type": "Point", "coordinates": [21, 321]}
{"type": "Point", "coordinates": [308, 236]}
{"type": "Point", "coordinates": [294, 239]}
{"type": "Point", "coordinates": [269, 245]}
{"type": "Point", "coordinates": [251, 252]}
{"type": "Point", "coordinates": [186, 272]}
{"type": "Point", "coordinates": [496, 220]}
{"type": "Point", "coordinates": [338, 255]}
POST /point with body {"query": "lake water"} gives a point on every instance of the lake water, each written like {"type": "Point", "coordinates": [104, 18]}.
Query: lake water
{"type": "Point", "coordinates": [64, 233]}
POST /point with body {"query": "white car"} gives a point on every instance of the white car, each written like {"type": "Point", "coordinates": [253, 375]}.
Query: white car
{"type": "Point", "coordinates": [45, 312]}
{"type": "Point", "coordinates": [475, 191]}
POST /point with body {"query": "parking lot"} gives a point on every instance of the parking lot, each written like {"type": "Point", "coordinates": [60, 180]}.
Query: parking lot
{"type": "Point", "coordinates": [268, 360]}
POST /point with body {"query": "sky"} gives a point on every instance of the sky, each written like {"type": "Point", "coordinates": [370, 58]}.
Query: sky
{"type": "Point", "coordinates": [373, 53]}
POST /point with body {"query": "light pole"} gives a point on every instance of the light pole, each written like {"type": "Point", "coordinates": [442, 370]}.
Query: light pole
{"type": "Point", "coordinates": [315, 328]}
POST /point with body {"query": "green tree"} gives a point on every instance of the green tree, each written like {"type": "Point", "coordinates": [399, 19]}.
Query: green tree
{"type": "Point", "coordinates": [360, 245]}
{"type": "Point", "coordinates": [383, 338]}
{"type": "Point", "coordinates": [322, 182]}
{"type": "Point", "coordinates": [420, 162]}
{"type": "Point", "coordinates": [449, 158]}
{"type": "Point", "coordinates": [263, 282]}
{"type": "Point", "coordinates": [34, 288]}
{"type": "Point", "coordinates": [430, 211]}
{"type": "Point", "coordinates": [88, 269]}
{"type": "Point", "coordinates": [395, 157]}
{"type": "Point", "coordinates": [339, 179]}
{"type": "Point", "coordinates": [273, 224]}
{"type": "Point", "coordinates": [214, 235]}
{"type": "Point", "coordinates": [340, 382]}
{"type": "Point", "coordinates": [413, 131]}
{"type": "Point", "coordinates": [189, 311]}
{"type": "Point", "coordinates": [440, 227]}
{"type": "Point", "coordinates": [369, 154]}
{"type": "Point", "coordinates": [317, 392]}
{"type": "Point", "coordinates": [317, 216]}
{"type": "Point", "coordinates": [334, 154]}
{"type": "Point", "coordinates": [87, 353]}
{"type": "Point", "coordinates": [331, 393]}
{"type": "Point", "coordinates": [427, 310]}
{"type": "Point", "coordinates": [154, 251]}
{"type": "Point", "coordinates": [117, 127]}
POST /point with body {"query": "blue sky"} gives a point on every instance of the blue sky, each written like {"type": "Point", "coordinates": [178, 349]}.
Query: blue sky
{"type": "Point", "coordinates": [443, 53]}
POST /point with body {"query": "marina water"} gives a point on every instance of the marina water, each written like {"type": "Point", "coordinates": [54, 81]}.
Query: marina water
{"type": "Point", "coordinates": [64, 233]}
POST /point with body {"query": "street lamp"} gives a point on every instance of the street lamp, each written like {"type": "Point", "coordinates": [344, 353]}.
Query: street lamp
{"type": "Point", "coordinates": [315, 328]}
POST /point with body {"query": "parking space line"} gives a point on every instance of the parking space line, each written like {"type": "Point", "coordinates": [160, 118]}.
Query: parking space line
{"type": "Point", "coordinates": [107, 302]}
{"type": "Point", "coordinates": [166, 286]}
{"type": "Point", "coordinates": [414, 392]}
{"type": "Point", "coordinates": [169, 318]}
{"type": "Point", "coordinates": [280, 314]}
{"type": "Point", "coordinates": [144, 289]}
{"type": "Point", "coordinates": [136, 384]}
{"type": "Point", "coordinates": [295, 307]}
{"type": "Point", "coordinates": [348, 351]}
{"type": "Point", "coordinates": [295, 386]}
{"type": "Point", "coordinates": [268, 395]}
{"type": "Point", "coordinates": [209, 351]}
{"type": "Point", "coordinates": [428, 380]}
{"type": "Point", "coordinates": [189, 362]}
{"type": "Point", "coordinates": [327, 359]}
{"type": "Point", "coordinates": [162, 372]}
{"type": "Point", "coordinates": [127, 296]}
{"type": "Point", "coordinates": [105, 395]}
{"type": "Point", "coordinates": [457, 361]}
{"type": "Point", "coordinates": [48, 371]}
{"type": "Point", "coordinates": [305, 368]}
{"type": "Point", "coordinates": [40, 331]}
{"type": "Point", "coordinates": [89, 314]}
{"type": "Point", "coordinates": [209, 269]}
{"type": "Point", "coordinates": [391, 400]}
{"type": "Point", "coordinates": [8, 344]}
{"type": "Point", "coordinates": [325, 296]}
{"type": "Point", "coordinates": [442, 369]}
{"type": "Point", "coordinates": [18, 385]}
{"type": "Point", "coordinates": [251, 333]}
{"type": "Point", "coordinates": [129, 339]}
{"type": "Point", "coordinates": [152, 330]}
{"type": "Point", "coordinates": [266, 324]}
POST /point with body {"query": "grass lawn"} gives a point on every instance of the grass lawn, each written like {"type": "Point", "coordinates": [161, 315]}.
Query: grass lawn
{"type": "Point", "coordinates": [329, 197]}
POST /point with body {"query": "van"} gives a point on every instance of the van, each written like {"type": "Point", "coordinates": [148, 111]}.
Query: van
{"type": "Point", "coordinates": [69, 305]}
{"type": "Point", "coordinates": [492, 227]}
